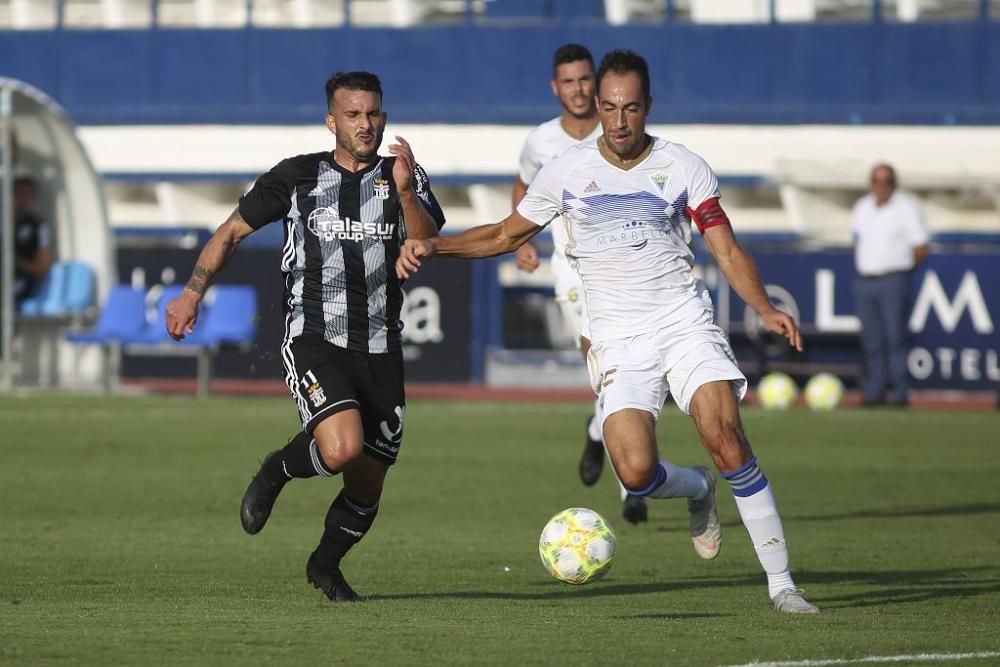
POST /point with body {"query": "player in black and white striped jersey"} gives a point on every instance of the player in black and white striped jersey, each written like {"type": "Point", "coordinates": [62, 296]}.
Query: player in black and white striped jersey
{"type": "Point", "coordinates": [345, 214]}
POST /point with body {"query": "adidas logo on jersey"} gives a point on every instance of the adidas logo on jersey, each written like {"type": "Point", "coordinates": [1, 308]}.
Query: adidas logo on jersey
{"type": "Point", "coordinates": [592, 187]}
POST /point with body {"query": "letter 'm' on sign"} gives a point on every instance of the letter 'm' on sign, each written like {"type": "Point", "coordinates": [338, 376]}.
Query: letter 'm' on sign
{"type": "Point", "coordinates": [949, 311]}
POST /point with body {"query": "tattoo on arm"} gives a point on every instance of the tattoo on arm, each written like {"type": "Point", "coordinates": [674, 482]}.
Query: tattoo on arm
{"type": "Point", "coordinates": [200, 278]}
{"type": "Point", "coordinates": [217, 252]}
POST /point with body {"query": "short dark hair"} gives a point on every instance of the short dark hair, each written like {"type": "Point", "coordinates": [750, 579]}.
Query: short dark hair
{"type": "Point", "coordinates": [570, 53]}
{"type": "Point", "coordinates": [623, 61]}
{"type": "Point", "coordinates": [352, 81]}
{"type": "Point", "coordinates": [888, 167]}
{"type": "Point", "coordinates": [30, 181]}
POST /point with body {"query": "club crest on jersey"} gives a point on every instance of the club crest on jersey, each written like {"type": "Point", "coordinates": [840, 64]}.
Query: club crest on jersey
{"type": "Point", "coordinates": [317, 395]}
{"type": "Point", "coordinates": [325, 223]}
{"type": "Point", "coordinates": [313, 389]}
{"type": "Point", "coordinates": [381, 188]}
{"type": "Point", "coordinates": [659, 182]}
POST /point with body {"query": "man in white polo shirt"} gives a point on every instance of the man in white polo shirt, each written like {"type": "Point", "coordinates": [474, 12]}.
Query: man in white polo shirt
{"type": "Point", "coordinates": [890, 239]}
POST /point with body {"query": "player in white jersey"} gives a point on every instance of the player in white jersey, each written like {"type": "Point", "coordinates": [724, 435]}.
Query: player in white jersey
{"type": "Point", "coordinates": [628, 201]}
{"type": "Point", "coordinates": [573, 85]}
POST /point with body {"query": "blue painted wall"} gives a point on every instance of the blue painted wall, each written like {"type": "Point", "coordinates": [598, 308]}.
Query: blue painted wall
{"type": "Point", "coordinates": [875, 72]}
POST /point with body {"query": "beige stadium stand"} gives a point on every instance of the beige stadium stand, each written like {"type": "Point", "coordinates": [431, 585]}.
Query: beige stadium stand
{"type": "Point", "coordinates": [202, 13]}
{"type": "Point", "coordinates": [298, 13]}
{"type": "Point", "coordinates": [107, 13]}
{"type": "Point", "coordinates": [27, 14]}
{"type": "Point", "coordinates": [406, 13]}
{"type": "Point", "coordinates": [800, 179]}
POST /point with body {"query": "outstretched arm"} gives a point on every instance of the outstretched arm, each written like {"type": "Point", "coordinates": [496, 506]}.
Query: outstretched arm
{"type": "Point", "coordinates": [483, 241]}
{"type": "Point", "coordinates": [527, 254]}
{"type": "Point", "coordinates": [182, 312]}
{"type": "Point", "coordinates": [741, 272]}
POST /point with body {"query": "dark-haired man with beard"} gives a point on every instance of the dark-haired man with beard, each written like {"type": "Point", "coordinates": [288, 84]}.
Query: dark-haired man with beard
{"type": "Point", "coordinates": [346, 213]}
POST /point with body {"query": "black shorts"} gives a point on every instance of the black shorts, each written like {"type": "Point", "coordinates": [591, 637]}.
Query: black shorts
{"type": "Point", "coordinates": [325, 379]}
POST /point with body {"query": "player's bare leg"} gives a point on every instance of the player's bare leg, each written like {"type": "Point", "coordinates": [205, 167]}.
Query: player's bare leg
{"type": "Point", "coordinates": [634, 508]}
{"type": "Point", "coordinates": [715, 411]}
{"type": "Point", "coordinates": [630, 437]}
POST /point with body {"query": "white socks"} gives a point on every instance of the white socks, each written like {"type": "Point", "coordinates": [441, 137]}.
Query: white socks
{"type": "Point", "coordinates": [594, 425]}
{"type": "Point", "coordinates": [675, 482]}
{"type": "Point", "coordinates": [755, 501]}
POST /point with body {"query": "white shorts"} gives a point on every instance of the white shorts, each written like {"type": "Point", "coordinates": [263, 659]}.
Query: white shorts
{"type": "Point", "coordinates": [641, 371]}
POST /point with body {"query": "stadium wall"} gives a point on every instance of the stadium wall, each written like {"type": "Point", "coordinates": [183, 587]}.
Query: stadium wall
{"type": "Point", "coordinates": [453, 316]}
{"type": "Point", "coordinates": [934, 72]}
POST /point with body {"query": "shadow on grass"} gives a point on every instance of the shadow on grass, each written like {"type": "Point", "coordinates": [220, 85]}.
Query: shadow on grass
{"type": "Point", "coordinates": [880, 587]}
{"type": "Point", "coordinates": [905, 586]}
{"type": "Point", "coordinates": [673, 617]}
{"type": "Point", "coordinates": [903, 512]}
{"type": "Point", "coordinates": [887, 596]}
{"type": "Point", "coordinates": [554, 591]}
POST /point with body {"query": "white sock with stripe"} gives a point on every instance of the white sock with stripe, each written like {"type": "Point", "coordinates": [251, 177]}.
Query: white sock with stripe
{"type": "Point", "coordinates": [672, 481]}
{"type": "Point", "coordinates": [759, 512]}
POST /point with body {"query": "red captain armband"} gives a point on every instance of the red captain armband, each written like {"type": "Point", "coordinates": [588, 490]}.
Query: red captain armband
{"type": "Point", "coordinates": [709, 214]}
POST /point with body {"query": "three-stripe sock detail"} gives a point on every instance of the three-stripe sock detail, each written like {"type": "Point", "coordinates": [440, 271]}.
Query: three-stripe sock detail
{"type": "Point", "coordinates": [746, 480]}
{"type": "Point", "coordinates": [759, 512]}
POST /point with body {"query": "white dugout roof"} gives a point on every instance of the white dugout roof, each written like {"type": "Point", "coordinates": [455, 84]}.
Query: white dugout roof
{"type": "Point", "coordinates": [72, 200]}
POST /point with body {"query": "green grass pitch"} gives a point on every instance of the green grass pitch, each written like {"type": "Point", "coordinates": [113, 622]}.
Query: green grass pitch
{"type": "Point", "coordinates": [120, 542]}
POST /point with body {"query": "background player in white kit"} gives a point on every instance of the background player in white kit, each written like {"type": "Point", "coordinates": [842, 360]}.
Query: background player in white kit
{"type": "Point", "coordinates": [573, 85]}
{"type": "Point", "coordinates": [628, 201]}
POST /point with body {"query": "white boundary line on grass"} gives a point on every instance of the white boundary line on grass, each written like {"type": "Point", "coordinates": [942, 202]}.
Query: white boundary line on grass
{"type": "Point", "coordinates": [824, 662]}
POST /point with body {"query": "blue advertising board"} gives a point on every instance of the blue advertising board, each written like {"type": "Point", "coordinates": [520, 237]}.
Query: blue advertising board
{"type": "Point", "coordinates": [955, 305]}
{"type": "Point", "coordinates": [436, 313]}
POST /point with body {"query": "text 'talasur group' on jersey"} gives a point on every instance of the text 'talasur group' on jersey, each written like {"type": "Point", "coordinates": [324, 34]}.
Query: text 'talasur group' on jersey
{"type": "Point", "coordinates": [328, 226]}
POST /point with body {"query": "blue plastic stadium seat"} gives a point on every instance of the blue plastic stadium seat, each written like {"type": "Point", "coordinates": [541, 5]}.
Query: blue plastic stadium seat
{"type": "Point", "coordinates": [229, 317]}
{"type": "Point", "coordinates": [154, 330]}
{"type": "Point", "coordinates": [68, 288]}
{"type": "Point", "coordinates": [123, 315]}
{"type": "Point", "coordinates": [78, 291]}
{"type": "Point", "coordinates": [46, 293]}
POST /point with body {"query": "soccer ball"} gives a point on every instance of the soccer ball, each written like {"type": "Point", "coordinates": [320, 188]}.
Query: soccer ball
{"type": "Point", "coordinates": [577, 546]}
{"type": "Point", "coordinates": [776, 391]}
{"type": "Point", "coordinates": [824, 391]}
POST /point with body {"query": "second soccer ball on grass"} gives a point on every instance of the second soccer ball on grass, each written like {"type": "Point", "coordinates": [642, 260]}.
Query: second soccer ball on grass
{"type": "Point", "coordinates": [577, 546]}
{"type": "Point", "coordinates": [824, 391]}
{"type": "Point", "coordinates": [776, 391]}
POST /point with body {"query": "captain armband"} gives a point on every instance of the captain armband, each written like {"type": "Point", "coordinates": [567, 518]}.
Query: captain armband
{"type": "Point", "coordinates": [709, 214]}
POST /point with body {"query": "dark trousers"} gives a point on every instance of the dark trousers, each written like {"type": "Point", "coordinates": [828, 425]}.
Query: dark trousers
{"type": "Point", "coordinates": [883, 308]}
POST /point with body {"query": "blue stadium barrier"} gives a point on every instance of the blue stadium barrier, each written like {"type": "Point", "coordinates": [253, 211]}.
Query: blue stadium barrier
{"type": "Point", "coordinates": [840, 72]}
{"type": "Point", "coordinates": [546, 9]}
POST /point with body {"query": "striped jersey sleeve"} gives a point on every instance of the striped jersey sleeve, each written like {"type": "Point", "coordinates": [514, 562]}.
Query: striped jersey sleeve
{"type": "Point", "coordinates": [270, 197]}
